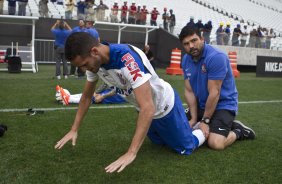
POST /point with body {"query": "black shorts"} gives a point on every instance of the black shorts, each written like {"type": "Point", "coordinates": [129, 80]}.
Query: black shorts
{"type": "Point", "coordinates": [221, 121]}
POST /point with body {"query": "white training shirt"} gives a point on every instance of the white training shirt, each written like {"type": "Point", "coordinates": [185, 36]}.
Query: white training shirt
{"type": "Point", "coordinates": [128, 69]}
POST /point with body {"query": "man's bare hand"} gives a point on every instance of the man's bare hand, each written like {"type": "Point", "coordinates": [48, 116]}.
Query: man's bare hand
{"type": "Point", "coordinates": [71, 135]}
{"type": "Point", "coordinates": [205, 129]}
{"type": "Point", "coordinates": [121, 163]}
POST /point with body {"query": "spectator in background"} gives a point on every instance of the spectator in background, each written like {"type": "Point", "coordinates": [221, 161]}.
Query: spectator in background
{"type": "Point", "coordinates": [244, 35]}
{"type": "Point", "coordinates": [43, 8]}
{"type": "Point", "coordinates": [165, 18]}
{"type": "Point", "coordinates": [132, 14]}
{"type": "Point", "coordinates": [207, 31]}
{"type": "Point", "coordinates": [263, 37]}
{"type": "Point", "coordinates": [11, 7]}
{"type": "Point", "coordinates": [80, 28]}
{"type": "Point", "coordinates": [258, 39]}
{"type": "Point", "coordinates": [172, 21]}
{"type": "Point", "coordinates": [269, 36]}
{"type": "Point", "coordinates": [144, 13]}
{"type": "Point", "coordinates": [1, 6]}
{"type": "Point", "coordinates": [114, 13]}
{"type": "Point", "coordinates": [226, 36]}
{"type": "Point", "coordinates": [101, 8]}
{"type": "Point", "coordinates": [253, 37]}
{"type": "Point", "coordinates": [236, 34]}
{"type": "Point", "coordinates": [138, 15]}
{"type": "Point", "coordinates": [89, 11]}
{"type": "Point", "coordinates": [69, 8]}
{"type": "Point", "coordinates": [81, 5]}
{"type": "Point", "coordinates": [61, 33]}
{"type": "Point", "coordinates": [199, 25]}
{"type": "Point", "coordinates": [22, 7]}
{"type": "Point", "coordinates": [91, 29]}
{"type": "Point", "coordinates": [154, 16]}
{"type": "Point", "coordinates": [219, 34]}
{"type": "Point", "coordinates": [60, 2]}
{"type": "Point", "coordinates": [123, 15]}
{"type": "Point", "coordinates": [191, 23]}
{"type": "Point", "coordinates": [149, 55]}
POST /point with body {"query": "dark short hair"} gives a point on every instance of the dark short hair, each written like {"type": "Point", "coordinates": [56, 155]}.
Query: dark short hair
{"type": "Point", "coordinates": [79, 44]}
{"type": "Point", "coordinates": [188, 31]}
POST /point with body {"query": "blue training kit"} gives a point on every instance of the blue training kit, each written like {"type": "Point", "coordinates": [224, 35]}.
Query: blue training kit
{"type": "Point", "coordinates": [213, 65]}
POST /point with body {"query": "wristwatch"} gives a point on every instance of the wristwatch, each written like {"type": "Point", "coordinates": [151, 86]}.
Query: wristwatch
{"type": "Point", "coordinates": [205, 120]}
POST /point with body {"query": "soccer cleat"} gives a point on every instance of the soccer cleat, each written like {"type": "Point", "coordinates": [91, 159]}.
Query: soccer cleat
{"type": "Point", "coordinates": [58, 94]}
{"type": "Point", "coordinates": [242, 131]}
{"type": "Point", "coordinates": [65, 96]}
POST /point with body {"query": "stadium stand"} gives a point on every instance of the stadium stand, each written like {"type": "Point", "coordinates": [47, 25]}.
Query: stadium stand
{"type": "Point", "coordinates": [252, 12]}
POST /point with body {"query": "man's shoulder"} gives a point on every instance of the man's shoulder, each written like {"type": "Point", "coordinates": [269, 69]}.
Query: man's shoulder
{"type": "Point", "coordinates": [186, 59]}
{"type": "Point", "coordinates": [212, 51]}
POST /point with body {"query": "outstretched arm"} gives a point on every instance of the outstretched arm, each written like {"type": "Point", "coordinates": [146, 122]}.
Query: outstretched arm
{"type": "Point", "coordinates": [144, 99]}
{"type": "Point", "coordinates": [84, 104]}
{"type": "Point", "coordinates": [192, 102]}
{"type": "Point", "coordinates": [100, 97]}
{"type": "Point", "coordinates": [55, 24]}
{"type": "Point", "coordinates": [67, 26]}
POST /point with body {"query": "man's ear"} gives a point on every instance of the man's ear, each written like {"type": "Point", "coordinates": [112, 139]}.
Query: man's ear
{"type": "Point", "coordinates": [94, 51]}
{"type": "Point", "coordinates": [202, 38]}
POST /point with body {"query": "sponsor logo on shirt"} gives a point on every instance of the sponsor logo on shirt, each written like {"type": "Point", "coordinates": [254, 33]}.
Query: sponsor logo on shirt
{"type": "Point", "coordinates": [204, 69]}
{"type": "Point", "coordinates": [188, 73]}
{"type": "Point", "coordinates": [131, 65]}
{"type": "Point", "coordinates": [125, 92]}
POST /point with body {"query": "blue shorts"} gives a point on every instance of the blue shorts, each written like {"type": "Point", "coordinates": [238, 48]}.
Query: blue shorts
{"type": "Point", "coordinates": [174, 130]}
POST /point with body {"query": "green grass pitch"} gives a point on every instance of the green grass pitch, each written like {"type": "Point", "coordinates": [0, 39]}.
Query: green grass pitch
{"type": "Point", "coordinates": [27, 153]}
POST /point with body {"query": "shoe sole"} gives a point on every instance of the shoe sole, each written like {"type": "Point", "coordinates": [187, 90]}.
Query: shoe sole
{"type": "Point", "coordinates": [245, 127]}
{"type": "Point", "coordinates": [64, 96]}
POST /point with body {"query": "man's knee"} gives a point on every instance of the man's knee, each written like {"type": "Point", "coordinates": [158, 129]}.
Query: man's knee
{"type": "Point", "coordinates": [217, 142]}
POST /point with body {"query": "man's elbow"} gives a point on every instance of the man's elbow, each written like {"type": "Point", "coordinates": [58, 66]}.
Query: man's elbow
{"type": "Point", "coordinates": [215, 93]}
{"type": "Point", "coordinates": [149, 110]}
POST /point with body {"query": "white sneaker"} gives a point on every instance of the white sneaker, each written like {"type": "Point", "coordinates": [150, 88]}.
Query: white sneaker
{"type": "Point", "coordinates": [66, 77]}
{"type": "Point", "coordinates": [58, 77]}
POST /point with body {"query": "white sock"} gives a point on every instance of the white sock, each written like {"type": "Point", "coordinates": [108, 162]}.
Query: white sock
{"type": "Point", "coordinates": [200, 136]}
{"type": "Point", "coordinates": [75, 98]}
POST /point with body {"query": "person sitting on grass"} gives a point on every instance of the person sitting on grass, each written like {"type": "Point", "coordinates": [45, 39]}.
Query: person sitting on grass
{"type": "Point", "coordinates": [210, 91]}
{"type": "Point", "coordinates": [103, 95]}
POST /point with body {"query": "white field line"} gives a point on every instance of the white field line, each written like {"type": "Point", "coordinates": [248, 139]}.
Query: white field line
{"type": "Point", "coordinates": [117, 106]}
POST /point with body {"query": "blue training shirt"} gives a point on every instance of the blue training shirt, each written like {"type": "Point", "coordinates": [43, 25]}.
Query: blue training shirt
{"type": "Point", "coordinates": [213, 65]}
{"type": "Point", "coordinates": [92, 31]}
{"type": "Point", "coordinates": [60, 36]}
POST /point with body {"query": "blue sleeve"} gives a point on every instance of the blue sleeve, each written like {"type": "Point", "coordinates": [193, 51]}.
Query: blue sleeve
{"type": "Point", "coordinates": [74, 30]}
{"type": "Point", "coordinates": [217, 67]}
{"type": "Point", "coordinates": [54, 31]}
{"type": "Point", "coordinates": [183, 65]}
